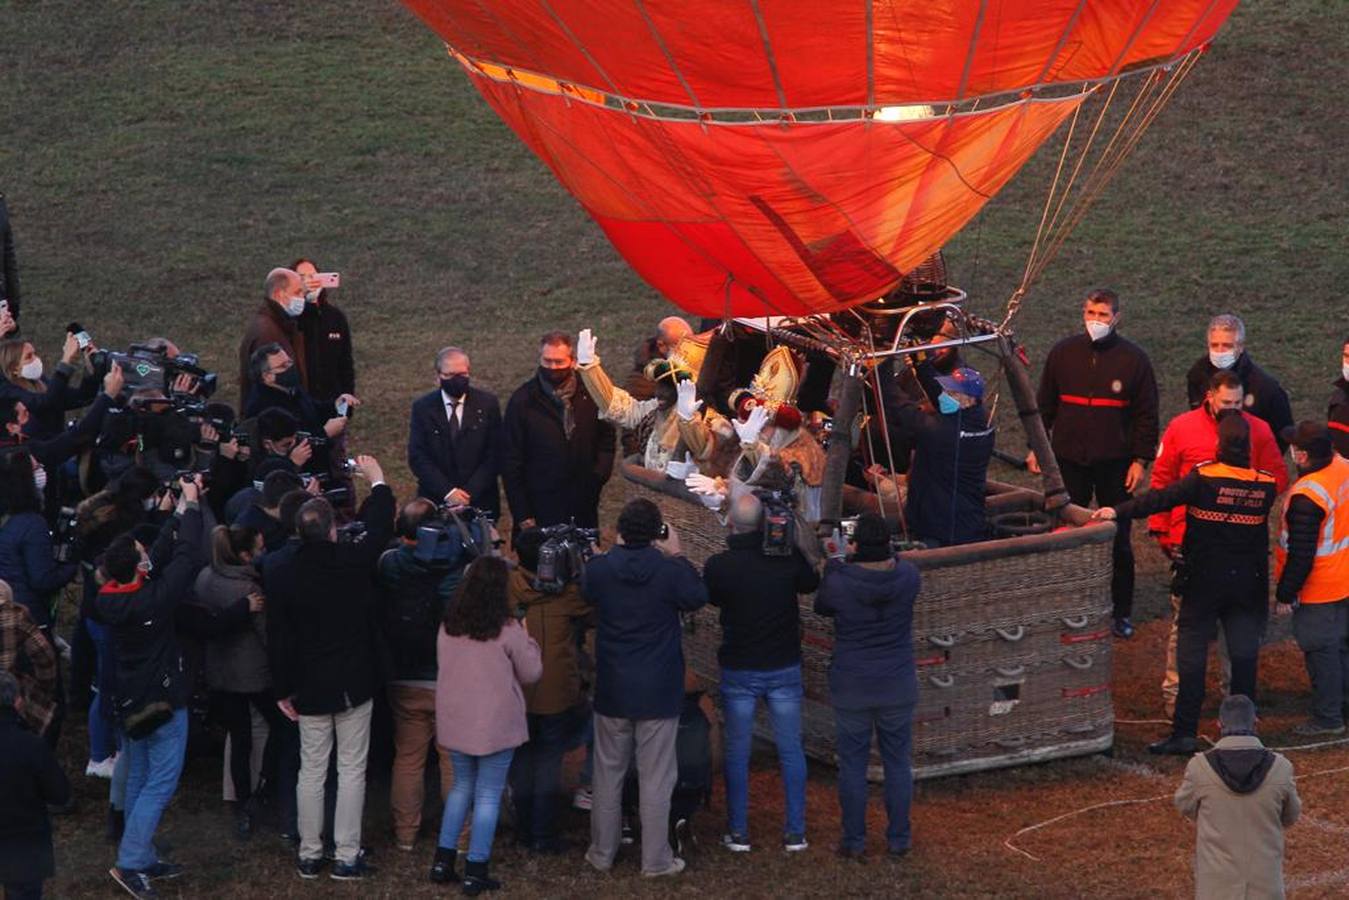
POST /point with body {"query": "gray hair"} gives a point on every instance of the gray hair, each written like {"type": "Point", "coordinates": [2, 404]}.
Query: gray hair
{"type": "Point", "coordinates": [1237, 713]}
{"type": "Point", "coordinates": [446, 352]}
{"type": "Point", "coordinates": [9, 690]}
{"type": "Point", "coordinates": [258, 363]}
{"type": "Point", "coordinates": [314, 520]}
{"type": "Point", "coordinates": [1228, 322]}
{"type": "Point", "coordinates": [277, 279]}
{"type": "Point", "coordinates": [746, 514]}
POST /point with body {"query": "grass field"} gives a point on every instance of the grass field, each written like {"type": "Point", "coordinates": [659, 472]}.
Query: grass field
{"type": "Point", "coordinates": [159, 157]}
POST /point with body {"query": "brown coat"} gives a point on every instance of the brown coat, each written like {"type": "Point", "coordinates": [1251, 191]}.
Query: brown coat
{"type": "Point", "coordinates": [1238, 849]}
{"type": "Point", "coordinates": [556, 622]}
{"type": "Point", "coordinates": [269, 325]}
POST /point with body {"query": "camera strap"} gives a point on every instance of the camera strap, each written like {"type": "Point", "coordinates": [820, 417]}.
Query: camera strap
{"type": "Point", "coordinates": [465, 535]}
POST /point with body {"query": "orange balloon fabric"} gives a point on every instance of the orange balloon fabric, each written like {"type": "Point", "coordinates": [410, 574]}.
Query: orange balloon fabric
{"type": "Point", "coordinates": [794, 54]}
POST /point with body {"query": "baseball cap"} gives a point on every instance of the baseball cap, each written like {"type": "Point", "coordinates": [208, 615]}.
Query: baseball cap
{"type": "Point", "coordinates": [965, 381]}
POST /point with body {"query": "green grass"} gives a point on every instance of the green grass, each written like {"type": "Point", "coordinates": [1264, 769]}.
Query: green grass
{"type": "Point", "coordinates": [160, 157]}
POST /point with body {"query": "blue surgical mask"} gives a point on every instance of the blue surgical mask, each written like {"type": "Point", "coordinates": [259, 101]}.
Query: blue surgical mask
{"type": "Point", "coordinates": [295, 306]}
{"type": "Point", "coordinates": [1224, 360]}
{"type": "Point", "coordinates": [948, 404]}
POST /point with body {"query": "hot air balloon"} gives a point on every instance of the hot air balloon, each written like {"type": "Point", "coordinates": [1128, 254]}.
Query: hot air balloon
{"type": "Point", "coordinates": [793, 165]}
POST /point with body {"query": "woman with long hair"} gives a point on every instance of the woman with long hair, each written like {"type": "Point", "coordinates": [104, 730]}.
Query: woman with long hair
{"type": "Point", "coordinates": [485, 654]}
{"type": "Point", "coordinates": [46, 393]}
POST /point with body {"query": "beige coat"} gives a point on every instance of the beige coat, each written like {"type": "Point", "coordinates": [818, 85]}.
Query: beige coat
{"type": "Point", "coordinates": [1238, 849]}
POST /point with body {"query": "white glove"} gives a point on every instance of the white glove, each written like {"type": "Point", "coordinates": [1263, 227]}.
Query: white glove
{"type": "Point", "coordinates": [749, 430]}
{"type": "Point", "coordinates": [585, 348]}
{"type": "Point", "coordinates": [699, 483]}
{"type": "Point", "coordinates": [687, 403]}
{"type": "Point", "coordinates": [711, 501]}
{"type": "Point", "coordinates": [681, 470]}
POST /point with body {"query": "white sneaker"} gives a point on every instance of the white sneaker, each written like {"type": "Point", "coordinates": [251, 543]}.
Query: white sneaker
{"type": "Point", "coordinates": [101, 769]}
{"type": "Point", "coordinates": [582, 799]}
{"type": "Point", "coordinates": [676, 866]}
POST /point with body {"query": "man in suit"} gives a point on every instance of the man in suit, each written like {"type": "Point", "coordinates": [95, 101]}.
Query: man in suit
{"type": "Point", "coordinates": [558, 454]}
{"type": "Point", "coordinates": [455, 438]}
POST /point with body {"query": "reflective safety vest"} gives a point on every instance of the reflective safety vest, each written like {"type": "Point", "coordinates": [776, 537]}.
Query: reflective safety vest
{"type": "Point", "coordinates": [1328, 488]}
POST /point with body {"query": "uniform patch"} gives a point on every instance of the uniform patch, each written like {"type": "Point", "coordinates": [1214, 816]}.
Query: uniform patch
{"type": "Point", "coordinates": [1250, 399]}
{"type": "Point", "coordinates": [334, 335]}
{"type": "Point", "coordinates": [1116, 385]}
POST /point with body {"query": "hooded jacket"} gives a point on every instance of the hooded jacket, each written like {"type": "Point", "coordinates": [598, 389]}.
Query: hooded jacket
{"type": "Point", "coordinates": [413, 596]}
{"type": "Point", "coordinates": [638, 593]}
{"type": "Point", "coordinates": [1242, 796]}
{"type": "Point", "coordinates": [872, 609]}
{"type": "Point", "coordinates": [556, 623]}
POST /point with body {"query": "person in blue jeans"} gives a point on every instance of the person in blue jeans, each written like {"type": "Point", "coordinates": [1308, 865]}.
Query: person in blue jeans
{"type": "Point", "coordinates": [760, 658]}
{"type": "Point", "coordinates": [152, 689]}
{"type": "Point", "coordinates": [483, 655]}
{"type": "Point", "coordinates": [873, 684]}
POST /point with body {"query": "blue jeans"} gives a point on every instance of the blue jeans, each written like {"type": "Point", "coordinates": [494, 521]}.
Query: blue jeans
{"type": "Point", "coordinates": [781, 691]}
{"type": "Point", "coordinates": [103, 732]}
{"type": "Point", "coordinates": [155, 763]}
{"type": "Point", "coordinates": [894, 731]}
{"type": "Point", "coordinates": [478, 781]}
{"type": "Point", "coordinates": [536, 777]}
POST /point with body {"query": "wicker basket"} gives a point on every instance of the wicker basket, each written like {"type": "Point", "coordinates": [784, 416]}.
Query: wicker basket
{"type": "Point", "coordinates": [1012, 639]}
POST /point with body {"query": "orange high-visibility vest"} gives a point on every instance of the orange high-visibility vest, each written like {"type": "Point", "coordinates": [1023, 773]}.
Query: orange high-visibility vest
{"type": "Point", "coordinates": [1328, 488]}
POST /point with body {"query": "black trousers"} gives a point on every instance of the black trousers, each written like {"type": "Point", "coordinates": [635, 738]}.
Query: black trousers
{"type": "Point", "coordinates": [1105, 482]}
{"type": "Point", "coordinates": [1243, 618]}
{"type": "Point", "coordinates": [234, 713]}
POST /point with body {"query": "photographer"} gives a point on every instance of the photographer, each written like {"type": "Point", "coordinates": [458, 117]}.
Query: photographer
{"type": "Point", "coordinates": [139, 607]}
{"type": "Point", "coordinates": [46, 396]}
{"type": "Point", "coordinates": [27, 561]}
{"type": "Point", "coordinates": [413, 595]}
{"type": "Point", "coordinates": [150, 432]}
{"type": "Point", "coordinates": [321, 650]}
{"type": "Point", "coordinates": [556, 622]}
{"type": "Point", "coordinates": [639, 589]}
{"type": "Point", "coordinates": [263, 515]}
{"type": "Point", "coordinates": [278, 439]}
{"type": "Point", "coordinates": [277, 387]}
{"type": "Point", "coordinates": [760, 659]}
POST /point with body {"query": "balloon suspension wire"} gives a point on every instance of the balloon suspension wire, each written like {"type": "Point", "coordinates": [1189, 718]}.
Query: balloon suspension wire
{"type": "Point", "coordinates": [1069, 208]}
{"type": "Point", "coordinates": [874, 388]}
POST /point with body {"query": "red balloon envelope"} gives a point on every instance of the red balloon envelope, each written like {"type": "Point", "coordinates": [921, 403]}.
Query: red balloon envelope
{"type": "Point", "coordinates": [691, 130]}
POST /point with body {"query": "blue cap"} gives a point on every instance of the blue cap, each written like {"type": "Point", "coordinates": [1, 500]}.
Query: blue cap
{"type": "Point", "coordinates": [965, 381]}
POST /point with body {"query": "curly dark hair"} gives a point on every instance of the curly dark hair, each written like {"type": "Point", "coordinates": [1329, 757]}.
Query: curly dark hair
{"type": "Point", "coordinates": [479, 608]}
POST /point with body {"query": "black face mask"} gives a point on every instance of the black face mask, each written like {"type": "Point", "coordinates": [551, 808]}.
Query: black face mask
{"type": "Point", "coordinates": [289, 380]}
{"type": "Point", "coordinates": [556, 376]}
{"type": "Point", "coordinates": [455, 386]}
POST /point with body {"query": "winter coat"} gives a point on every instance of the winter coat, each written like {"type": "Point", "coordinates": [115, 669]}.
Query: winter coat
{"type": "Point", "coordinates": [872, 609]}
{"type": "Point", "coordinates": [30, 780]}
{"type": "Point", "coordinates": [1337, 417]}
{"type": "Point", "coordinates": [236, 661]}
{"type": "Point", "coordinates": [26, 562]}
{"type": "Point", "coordinates": [269, 325]}
{"type": "Point", "coordinates": [321, 617]}
{"type": "Point", "coordinates": [413, 596]}
{"type": "Point", "coordinates": [328, 359]}
{"type": "Point", "coordinates": [638, 593]}
{"type": "Point", "coordinates": [480, 707]}
{"type": "Point", "coordinates": [1099, 400]}
{"type": "Point", "coordinates": [29, 655]}
{"type": "Point", "coordinates": [757, 596]}
{"type": "Point", "coordinates": [1242, 796]}
{"type": "Point", "coordinates": [47, 409]}
{"type": "Point", "coordinates": [556, 622]}
{"type": "Point", "coordinates": [548, 476]}
{"type": "Point", "coordinates": [1265, 397]}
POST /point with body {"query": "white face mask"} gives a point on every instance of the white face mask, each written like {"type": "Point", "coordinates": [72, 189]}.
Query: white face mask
{"type": "Point", "coordinates": [294, 306]}
{"type": "Point", "coordinates": [1224, 360]}
{"type": "Point", "coordinates": [1098, 330]}
{"type": "Point", "coordinates": [148, 504]}
{"type": "Point", "coordinates": [1344, 370]}
{"type": "Point", "coordinates": [312, 296]}
{"type": "Point", "coordinates": [32, 370]}
{"type": "Point", "coordinates": [40, 479]}
{"type": "Point", "coordinates": [145, 565]}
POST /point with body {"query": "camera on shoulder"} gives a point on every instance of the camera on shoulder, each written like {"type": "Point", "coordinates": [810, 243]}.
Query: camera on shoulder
{"type": "Point", "coordinates": [563, 555]}
{"type": "Point", "coordinates": [454, 535]}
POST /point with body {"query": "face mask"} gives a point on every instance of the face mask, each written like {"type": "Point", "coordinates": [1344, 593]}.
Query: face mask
{"type": "Point", "coordinates": [1344, 370]}
{"type": "Point", "coordinates": [1098, 330]}
{"type": "Point", "coordinates": [455, 386]}
{"type": "Point", "coordinates": [294, 306]}
{"type": "Point", "coordinates": [312, 296]}
{"type": "Point", "coordinates": [289, 380]}
{"type": "Point", "coordinates": [148, 504]}
{"type": "Point", "coordinates": [40, 479]}
{"type": "Point", "coordinates": [32, 370]}
{"type": "Point", "coordinates": [556, 376]}
{"type": "Point", "coordinates": [948, 404]}
{"type": "Point", "coordinates": [1223, 360]}
{"type": "Point", "coordinates": [145, 565]}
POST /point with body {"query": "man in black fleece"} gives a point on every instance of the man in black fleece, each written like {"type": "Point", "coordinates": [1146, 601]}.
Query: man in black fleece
{"type": "Point", "coordinates": [1242, 796]}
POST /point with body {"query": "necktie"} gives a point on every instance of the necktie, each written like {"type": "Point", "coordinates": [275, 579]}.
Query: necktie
{"type": "Point", "coordinates": [454, 419]}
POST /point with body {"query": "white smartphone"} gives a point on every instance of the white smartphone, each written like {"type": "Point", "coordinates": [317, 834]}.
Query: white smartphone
{"type": "Point", "coordinates": [329, 279]}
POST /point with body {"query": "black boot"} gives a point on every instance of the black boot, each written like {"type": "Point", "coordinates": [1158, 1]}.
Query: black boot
{"type": "Point", "coordinates": [1175, 745]}
{"type": "Point", "coordinates": [476, 880]}
{"type": "Point", "coordinates": [243, 820]}
{"type": "Point", "coordinates": [116, 824]}
{"type": "Point", "coordinates": [442, 870]}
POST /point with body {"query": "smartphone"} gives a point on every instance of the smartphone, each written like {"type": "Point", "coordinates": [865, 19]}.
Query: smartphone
{"type": "Point", "coordinates": [664, 532]}
{"type": "Point", "coordinates": [4, 306]}
{"type": "Point", "coordinates": [329, 279]}
{"type": "Point", "coordinates": [343, 407]}
{"type": "Point", "coordinates": [81, 336]}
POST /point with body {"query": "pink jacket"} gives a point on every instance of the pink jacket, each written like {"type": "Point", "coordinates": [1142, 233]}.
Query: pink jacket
{"type": "Point", "coordinates": [480, 708]}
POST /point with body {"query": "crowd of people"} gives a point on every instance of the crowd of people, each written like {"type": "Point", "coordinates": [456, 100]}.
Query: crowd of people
{"type": "Point", "coordinates": [238, 570]}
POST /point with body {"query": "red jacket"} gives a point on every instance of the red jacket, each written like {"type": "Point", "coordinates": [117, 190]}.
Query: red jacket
{"type": "Point", "coordinates": [1192, 438]}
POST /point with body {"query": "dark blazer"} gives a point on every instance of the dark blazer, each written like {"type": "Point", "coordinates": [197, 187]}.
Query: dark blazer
{"type": "Point", "coordinates": [9, 263]}
{"type": "Point", "coordinates": [471, 462]}
{"type": "Point", "coordinates": [30, 780]}
{"type": "Point", "coordinates": [548, 477]}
